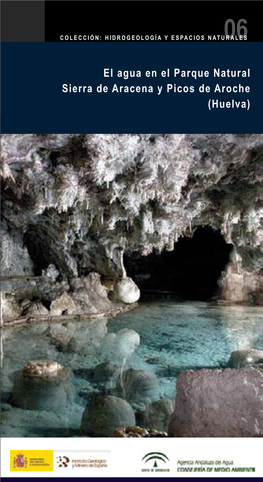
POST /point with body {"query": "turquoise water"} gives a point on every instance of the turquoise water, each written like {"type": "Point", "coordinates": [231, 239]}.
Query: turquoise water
{"type": "Point", "coordinates": [173, 337]}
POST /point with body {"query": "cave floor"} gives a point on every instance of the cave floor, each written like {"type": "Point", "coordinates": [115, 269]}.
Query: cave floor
{"type": "Point", "coordinates": [173, 337]}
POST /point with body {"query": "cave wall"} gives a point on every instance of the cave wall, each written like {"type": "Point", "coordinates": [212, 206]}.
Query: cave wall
{"type": "Point", "coordinates": [239, 285]}
{"type": "Point", "coordinates": [79, 201]}
{"type": "Point", "coordinates": [14, 259]}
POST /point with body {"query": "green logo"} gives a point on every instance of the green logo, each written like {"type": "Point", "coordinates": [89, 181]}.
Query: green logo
{"type": "Point", "coordinates": [156, 459]}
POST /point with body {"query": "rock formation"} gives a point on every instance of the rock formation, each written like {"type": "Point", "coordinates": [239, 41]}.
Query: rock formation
{"type": "Point", "coordinates": [63, 304]}
{"type": "Point", "coordinates": [127, 291]}
{"type": "Point", "coordinates": [238, 284]}
{"type": "Point", "coordinates": [246, 358]}
{"type": "Point", "coordinates": [106, 374]}
{"type": "Point", "coordinates": [104, 414]}
{"type": "Point", "coordinates": [42, 385]}
{"type": "Point", "coordinates": [157, 414]}
{"type": "Point", "coordinates": [139, 387]}
{"type": "Point", "coordinates": [78, 202]}
{"type": "Point", "coordinates": [42, 369]}
{"type": "Point", "coordinates": [218, 403]}
{"type": "Point", "coordinates": [42, 297]}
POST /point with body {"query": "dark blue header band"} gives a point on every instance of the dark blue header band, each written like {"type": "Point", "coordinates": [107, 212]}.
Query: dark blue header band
{"type": "Point", "coordinates": [35, 99]}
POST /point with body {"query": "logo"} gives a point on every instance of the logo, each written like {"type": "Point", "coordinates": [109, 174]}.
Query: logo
{"type": "Point", "coordinates": [20, 462]}
{"type": "Point", "coordinates": [73, 460]}
{"type": "Point", "coordinates": [155, 462]}
{"type": "Point", "coordinates": [31, 461]}
{"type": "Point", "coordinates": [63, 461]}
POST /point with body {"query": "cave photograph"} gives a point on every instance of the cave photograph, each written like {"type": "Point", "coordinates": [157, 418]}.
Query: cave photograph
{"type": "Point", "coordinates": [131, 285]}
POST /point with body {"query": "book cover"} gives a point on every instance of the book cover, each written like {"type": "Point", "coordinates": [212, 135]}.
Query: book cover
{"type": "Point", "coordinates": [131, 239]}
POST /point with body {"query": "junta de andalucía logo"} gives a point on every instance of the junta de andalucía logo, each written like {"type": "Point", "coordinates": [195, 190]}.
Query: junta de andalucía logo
{"type": "Point", "coordinates": [155, 462]}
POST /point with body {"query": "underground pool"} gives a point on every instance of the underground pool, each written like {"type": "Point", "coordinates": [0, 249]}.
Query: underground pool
{"type": "Point", "coordinates": [136, 356]}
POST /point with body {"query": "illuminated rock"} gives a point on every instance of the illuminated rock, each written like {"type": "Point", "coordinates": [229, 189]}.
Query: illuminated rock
{"type": "Point", "coordinates": [37, 309]}
{"type": "Point", "coordinates": [51, 272]}
{"type": "Point", "coordinates": [240, 286]}
{"type": "Point", "coordinates": [63, 305]}
{"type": "Point", "coordinates": [89, 295]}
{"type": "Point", "coordinates": [127, 291]}
{"type": "Point", "coordinates": [42, 369]}
{"type": "Point", "coordinates": [10, 308]}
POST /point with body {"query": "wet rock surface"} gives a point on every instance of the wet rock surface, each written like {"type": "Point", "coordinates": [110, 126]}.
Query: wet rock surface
{"type": "Point", "coordinates": [173, 338]}
{"type": "Point", "coordinates": [246, 358]}
{"type": "Point", "coordinates": [106, 374]}
{"type": "Point", "coordinates": [104, 414]}
{"type": "Point", "coordinates": [42, 385]}
{"type": "Point", "coordinates": [218, 403]}
{"type": "Point", "coordinates": [138, 386]}
{"type": "Point", "coordinates": [157, 415]}
{"type": "Point", "coordinates": [43, 296]}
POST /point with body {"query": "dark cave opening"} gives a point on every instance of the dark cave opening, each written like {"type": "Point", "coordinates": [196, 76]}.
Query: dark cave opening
{"type": "Point", "coordinates": [191, 271]}
{"type": "Point", "coordinates": [37, 242]}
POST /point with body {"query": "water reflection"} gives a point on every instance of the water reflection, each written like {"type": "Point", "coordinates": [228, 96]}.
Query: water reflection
{"type": "Point", "coordinates": [135, 357]}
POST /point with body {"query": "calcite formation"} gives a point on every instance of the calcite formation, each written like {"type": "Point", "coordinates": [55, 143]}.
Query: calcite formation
{"type": "Point", "coordinates": [127, 291]}
{"type": "Point", "coordinates": [42, 385]}
{"type": "Point", "coordinates": [78, 202]}
{"type": "Point", "coordinates": [42, 369]}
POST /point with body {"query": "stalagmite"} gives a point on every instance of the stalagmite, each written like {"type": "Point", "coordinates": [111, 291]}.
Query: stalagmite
{"type": "Point", "coordinates": [42, 385]}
